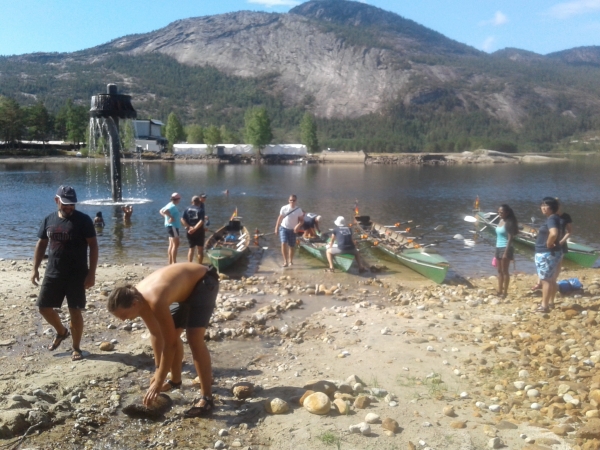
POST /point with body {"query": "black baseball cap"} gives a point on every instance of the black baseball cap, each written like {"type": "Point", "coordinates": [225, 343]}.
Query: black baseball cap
{"type": "Point", "coordinates": [67, 195]}
{"type": "Point", "coordinates": [203, 195]}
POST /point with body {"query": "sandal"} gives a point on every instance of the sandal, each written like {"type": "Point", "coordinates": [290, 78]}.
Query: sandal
{"type": "Point", "coordinates": [362, 270]}
{"type": "Point", "coordinates": [171, 386]}
{"type": "Point", "coordinates": [551, 306]}
{"type": "Point", "coordinates": [536, 287]}
{"type": "Point", "coordinates": [330, 270]}
{"type": "Point", "coordinates": [77, 355]}
{"type": "Point", "coordinates": [541, 309]}
{"type": "Point", "coordinates": [58, 339]}
{"type": "Point", "coordinates": [284, 265]}
{"type": "Point", "coordinates": [199, 411]}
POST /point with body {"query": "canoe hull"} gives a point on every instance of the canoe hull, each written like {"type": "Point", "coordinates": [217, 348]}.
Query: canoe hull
{"type": "Point", "coordinates": [223, 255]}
{"type": "Point", "coordinates": [342, 262]}
{"type": "Point", "coordinates": [426, 262]}
{"type": "Point", "coordinates": [578, 253]}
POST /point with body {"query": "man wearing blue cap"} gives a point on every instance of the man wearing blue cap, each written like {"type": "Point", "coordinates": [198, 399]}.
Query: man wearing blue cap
{"type": "Point", "coordinates": [67, 234]}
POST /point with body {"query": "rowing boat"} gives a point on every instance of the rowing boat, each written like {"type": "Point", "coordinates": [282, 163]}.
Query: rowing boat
{"type": "Point", "coordinates": [578, 253]}
{"type": "Point", "coordinates": [425, 261]}
{"type": "Point", "coordinates": [227, 244]}
{"type": "Point", "coordinates": [318, 250]}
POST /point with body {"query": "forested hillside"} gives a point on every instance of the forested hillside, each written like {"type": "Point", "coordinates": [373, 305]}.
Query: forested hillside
{"type": "Point", "coordinates": [373, 80]}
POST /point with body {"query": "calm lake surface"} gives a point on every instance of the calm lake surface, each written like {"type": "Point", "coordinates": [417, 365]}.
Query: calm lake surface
{"type": "Point", "coordinates": [427, 195]}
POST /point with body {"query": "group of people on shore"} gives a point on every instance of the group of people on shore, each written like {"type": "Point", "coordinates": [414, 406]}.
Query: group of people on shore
{"type": "Point", "coordinates": [170, 300]}
{"type": "Point", "coordinates": [194, 220]}
{"type": "Point", "coordinates": [182, 297]}
{"type": "Point", "coordinates": [292, 222]}
{"type": "Point", "coordinates": [550, 246]}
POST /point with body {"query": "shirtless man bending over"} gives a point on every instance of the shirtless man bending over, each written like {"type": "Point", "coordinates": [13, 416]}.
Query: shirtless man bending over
{"type": "Point", "coordinates": [176, 297]}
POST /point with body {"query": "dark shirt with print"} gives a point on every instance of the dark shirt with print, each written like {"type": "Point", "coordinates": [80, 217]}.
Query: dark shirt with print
{"type": "Point", "coordinates": [67, 243]}
{"type": "Point", "coordinates": [343, 238]}
{"type": "Point", "coordinates": [194, 214]}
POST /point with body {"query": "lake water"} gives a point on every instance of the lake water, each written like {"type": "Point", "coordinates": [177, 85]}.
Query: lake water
{"type": "Point", "coordinates": [428, 196]}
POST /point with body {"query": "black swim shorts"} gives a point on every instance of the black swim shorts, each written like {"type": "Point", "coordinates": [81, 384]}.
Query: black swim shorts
{"type": "Point", "coordinates": [54, 290]}
{"type": "Point", "coordinates": [195, 312]}
{"type": "Point", "coordinates": [173, 232]}
{"type": "Point", "coordinates": [197, 238]}
{"type": "Point", "coordinates": [500, 253]}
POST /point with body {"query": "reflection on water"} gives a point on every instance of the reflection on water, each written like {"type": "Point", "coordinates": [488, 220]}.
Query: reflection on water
{"type": "Point", "coordinates": [427, 195]}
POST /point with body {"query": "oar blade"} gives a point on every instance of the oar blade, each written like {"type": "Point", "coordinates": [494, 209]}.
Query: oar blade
{"type": "Point", "coordinates": [470, 219]}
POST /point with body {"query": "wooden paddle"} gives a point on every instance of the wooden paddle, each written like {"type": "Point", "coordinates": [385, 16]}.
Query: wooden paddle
{"type": "Point", "coordinates": [397, 225]}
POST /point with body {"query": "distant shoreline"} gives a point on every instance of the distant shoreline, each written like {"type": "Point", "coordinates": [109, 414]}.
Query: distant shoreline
{"type": "Point", "coordinates": [478, 157]}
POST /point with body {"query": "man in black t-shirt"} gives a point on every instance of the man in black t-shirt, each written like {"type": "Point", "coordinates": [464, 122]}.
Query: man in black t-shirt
{"type": "Point", "coordinates": [67, 234]}
{"type": "Point", "coordinates": [194, 221]}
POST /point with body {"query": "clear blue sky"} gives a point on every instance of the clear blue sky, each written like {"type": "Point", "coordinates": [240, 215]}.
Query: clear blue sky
{"type": "Point", "coordinates": [542, 26]}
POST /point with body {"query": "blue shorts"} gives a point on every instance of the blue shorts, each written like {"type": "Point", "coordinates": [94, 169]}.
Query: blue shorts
{"type": "Point", "coordinates": [287, 236]}
{"type": "Point", "coordinates": [547, 264]}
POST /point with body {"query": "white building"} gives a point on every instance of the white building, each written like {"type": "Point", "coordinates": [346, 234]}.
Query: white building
{"type": "Point", "coordinates": [238, 149]}
{"type": "Point", "coordinates": [148, 136]}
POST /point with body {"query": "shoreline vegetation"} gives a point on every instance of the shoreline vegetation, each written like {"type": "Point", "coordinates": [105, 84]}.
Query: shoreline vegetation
{"type": "Point", "coordinates": [481, 156]}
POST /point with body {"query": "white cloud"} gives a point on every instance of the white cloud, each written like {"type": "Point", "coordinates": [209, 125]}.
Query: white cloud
{"type": "Point", "coordinates": [499, 19]}
{"type": "Point", "coordinates": [488, 44]}
{"type": "Point", "coordinates": [272, 3]}
{"type": "Point", "coordinates": [567, 10]}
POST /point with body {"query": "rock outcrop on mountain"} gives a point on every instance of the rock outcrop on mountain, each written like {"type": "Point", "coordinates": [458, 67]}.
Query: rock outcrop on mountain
{"type": "Point", "coordinates": [579, 56]}
{"type": "Point", "coordinates": [340, 60]}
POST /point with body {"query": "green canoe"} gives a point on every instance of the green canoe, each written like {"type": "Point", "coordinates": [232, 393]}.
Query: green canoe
{"type": "Point", "coordinates": [425, 261]}
{"type": "Point", "coordinates": [227, 244]}
{"type": "Point", "coordinates": [317, 249]}
{"type": "Point", "coordinates": [578, 253]}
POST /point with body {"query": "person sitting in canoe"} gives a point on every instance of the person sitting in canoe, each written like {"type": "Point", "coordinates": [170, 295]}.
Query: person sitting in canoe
{"type": "Point", "coordinates": [342, 235]}
{"type": "Point", "coordinates": [309, 227]}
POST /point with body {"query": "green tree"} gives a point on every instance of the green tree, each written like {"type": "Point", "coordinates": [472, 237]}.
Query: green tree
{"type": "Point", "coordinates": [174, 132]}
{"type": "Point", "coordinates": [11, 120]}
{"type": "Point", "coordinates": [60, 123]}
{"type": "Point", "coordinates": [77, 122]}
{"type": "Point", "coordinates": [229, 136]}
{"type": "Point", "coordinates": [308, 133]}
{"type": "Point", "coordinates": [195, 134]}
{"type": "Point", "coordinates": [127, 135]}
{"type": "Point", "coordinates": [39, 122]}
{"type": "Point", "coordinates": [258, 128]}
{"type": "Point", "coordinates": [212, 136]}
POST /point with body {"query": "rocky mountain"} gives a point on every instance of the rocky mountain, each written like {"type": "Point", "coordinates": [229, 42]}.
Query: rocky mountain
{"type": "Point", "coordinates": [339, 59]}
{"type": "Point", "coordinates": [578, 56]}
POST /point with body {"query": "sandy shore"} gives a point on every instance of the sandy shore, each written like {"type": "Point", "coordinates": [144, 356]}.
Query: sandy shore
{"type": "Point", "coordinates": [454, 366]}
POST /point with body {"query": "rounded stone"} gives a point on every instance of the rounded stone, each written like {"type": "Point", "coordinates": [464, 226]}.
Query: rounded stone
{"type": "Point", "coordinates": [107, 346]}
{"type": "Point", "coordinates": [372, 418]}
{"type": "Point", "coordinates": [390, 425]}
{"type": "Point", "coordinates": [277, 406]}
{"type": "Point", "coordinates": [317, 403]}
{"type": "Point", "coordinates": [533, 393]}
{"type": "Point", "coordinates": [342, 406]}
